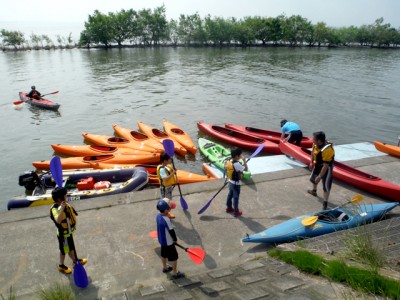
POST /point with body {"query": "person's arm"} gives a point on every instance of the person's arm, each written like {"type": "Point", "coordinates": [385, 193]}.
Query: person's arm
{"type": "Point", "coordinates": [173, 235]}
{"type": "Point", "coordinates": [312, 162]}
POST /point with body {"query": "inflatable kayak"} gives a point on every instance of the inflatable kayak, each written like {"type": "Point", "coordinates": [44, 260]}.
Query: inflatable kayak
{"type": "Point", "coordinates": [84, 162]}
{"type": "Point", "coordinates": [118, 181]}
{"type": "Point", "coordinates": [218, 155]}
{"type": "Point", "coordinates": [271, 135]}
{"type": "Point", "coordinates": [387, 148]}
{"type": "Point", "coordinates": [112, 141]}
{"type": "Point", "coordinates": [159, 136]}
{"type": "Point", "coordinates": [328, 221]}
{"type": "Point", "coordinates": [91, 150]}
{"type": "Point", "coordinates": [137, 136]}
{"type": "Point", "coordinates": [42, 103]}
{"type": "Point", "coordinates": [178, 135]}
{"type": "Point", "coordinates": [240, 139]}
{"type": "Point", "coordinates": [352, 176]}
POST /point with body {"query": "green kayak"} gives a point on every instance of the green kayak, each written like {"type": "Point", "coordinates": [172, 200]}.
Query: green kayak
{"type": "Point", "coordinates": [217, 154]}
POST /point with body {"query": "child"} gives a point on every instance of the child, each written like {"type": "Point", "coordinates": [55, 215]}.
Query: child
{"type": "Point", "coordinates": [64, 217]}
{"type": "Point", "coordinates": [167, 239]}
{"type": "Point", "coordinates": [234, 170]}
{"type": "Point", "coordinates": [166, 177]}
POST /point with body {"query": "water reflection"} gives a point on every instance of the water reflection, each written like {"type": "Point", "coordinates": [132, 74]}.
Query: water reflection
{"type": "Point", "coordinates": [40, 115]}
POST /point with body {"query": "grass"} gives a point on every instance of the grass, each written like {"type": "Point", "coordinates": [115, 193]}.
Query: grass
{"type": "Point", "coordinates": [11, 295]}
{"type": "Point", "coordinates": [366, 280]}
{"type": "Point", "coordinates": [58, 291]}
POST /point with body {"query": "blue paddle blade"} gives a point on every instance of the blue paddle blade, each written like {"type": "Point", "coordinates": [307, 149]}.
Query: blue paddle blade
{"type": "Point", "coordinates": [184, 203]}
{"type": "Point", "coordinates": [258, 150]}
{"type": "Point", "coordinates": [80, 276]}
{"type": "Point", "coordinates": [169, 147]}
{"type": "Point", "coordinates": [56, 170]}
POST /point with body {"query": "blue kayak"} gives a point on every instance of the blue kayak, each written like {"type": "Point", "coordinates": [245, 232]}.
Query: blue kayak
{"type": "Point", "coordinates": [328, 221]}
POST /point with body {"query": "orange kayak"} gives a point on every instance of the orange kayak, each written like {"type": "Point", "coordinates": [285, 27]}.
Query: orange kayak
{"type": "Point", "coordinates": [90, 150]}
{"type": "Point", "coordinates": [178, 135]}
{"type": "Point", "coordinates": [159, 135]}
{"type": "Point", "coordinates": [105, 140]}
{"type": "Point", "coordinates": [387, 148]}
{"type": "Point", "coordinates": [79, 162]}
{"type": "Point", "coordinates": [137, 136]}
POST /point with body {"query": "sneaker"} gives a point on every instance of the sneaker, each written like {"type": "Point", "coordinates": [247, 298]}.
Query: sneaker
{"type": "Point", "coordinates": [178, 275]}
{"type": "Point", "coordinates": [167, 269]}
{"type": "Point", "coordinates": [229, 210]}
{"type": "Point", "coordinates": [82, 261]}
{"type": "Point", "coordinates": [237, 213]}
{"type": "Point", "coordinates": [312, 192]}
{"type": "Point", "coordinates": [64, 269]}
{"type": "Point", "coordinates": [171, 216]}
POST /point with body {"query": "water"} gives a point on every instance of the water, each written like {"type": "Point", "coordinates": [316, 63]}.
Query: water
{"type": "Point", "coordinates": [351, 94]}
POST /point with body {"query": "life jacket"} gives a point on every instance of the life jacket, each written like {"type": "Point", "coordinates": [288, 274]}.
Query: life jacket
{"type": "Point", "coordinates": [318, 158]}
{"type": "Point", "coordinates": [163, 182]}
{"type": "Point", "coordinates": [231, 171]}
{"type": "Point", "coordinates": [70, 213]}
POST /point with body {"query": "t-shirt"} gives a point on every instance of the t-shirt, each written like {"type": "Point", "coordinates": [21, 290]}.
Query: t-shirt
{"type": "Point", "coordinates": [164, 225]}
{"type": "Point", "coordinates": [289, 127]}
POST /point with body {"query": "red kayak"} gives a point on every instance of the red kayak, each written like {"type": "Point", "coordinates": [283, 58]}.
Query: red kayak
{"type": "Point", "coordinates": [352, 176]}
{"type": "Point", "coordinates": [42, 103]}
{"type": "Point", "coordinates": [239, 138]}
{"type": "Point", "coordinates": [271, 135]}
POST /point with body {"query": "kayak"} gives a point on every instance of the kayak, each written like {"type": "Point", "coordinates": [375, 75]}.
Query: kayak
{"type": "Point", "coordinates": [83, 162]}
{"type": "Point", "coordinates": [238, 138]}
{"type": "Point", "coordinates": [352, 176]}
{"type": "Point", "coordinates": [387, 148]}
{"type": "Point", "coordinates": [137, 136]}
{"type": "Point", "coordinates": [42, 103]}
{"type": "Point", "coordinates": [271, 135]}
{"type": "Point", "coordinates": [159, 135]}
{"type": "Point", "coordinates": [120, 181]}
{"type": "Point", "coordinates": [218, 155]}
{"type": "Point", "coordinates": [212, 170]}
{"type": "Point", "coordinates": [90, 150]}
{"type": "Point", "coordinates": [328, 221]}
{"type": "Point", "coordinates": [105, 140]}
{"type": "Point", "coordinates": [178, 135]}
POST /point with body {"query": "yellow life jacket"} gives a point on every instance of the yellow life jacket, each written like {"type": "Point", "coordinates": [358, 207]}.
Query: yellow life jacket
{"type": "Point", "coordinates": [168, 168]}
{"type": "Point", "coordinates": [70, 213]}
{"type": "Point", "coordinates": [231, 171]}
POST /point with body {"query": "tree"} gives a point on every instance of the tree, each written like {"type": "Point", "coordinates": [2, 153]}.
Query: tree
{"type": "Point", "coordinates": [36, 39]}
{"type": "Point", "coordinates": [218, 30]}
{"type": "Point", "coordinates": [190, 29]}
{"type": "Point", "coordinates": [173, 32]}
{"type": "Point", "coordinates": [98, 29]}
{"type": "Point", "coordinates": [320, 33]}
{"type": "Point", "coordinates": [296, 29]}
{"type": "Point", "coordinates": [123, 25]}
{"type": "Point", "coordinates": [12, 38]}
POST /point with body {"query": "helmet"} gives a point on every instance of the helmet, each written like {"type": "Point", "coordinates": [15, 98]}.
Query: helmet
{"type": "Point", "coordinates": [33, 87]}
{"type": "Point", "coordinates": [163, 205]}
{"type": "Point", "coordinates": [283, 122]}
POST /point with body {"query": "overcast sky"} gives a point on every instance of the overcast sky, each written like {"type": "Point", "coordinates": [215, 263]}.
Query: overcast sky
{"type": "Point", "coordinates": [333, 12]}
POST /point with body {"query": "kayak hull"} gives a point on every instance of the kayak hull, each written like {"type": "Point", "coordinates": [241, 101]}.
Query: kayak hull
{"type": "Point", "coordinates": [352, 176]}
{"type": "Point", "coordinates": [90, 150]}
{"type": "Point", "coordinates": [42, 103]}
{"type": "Point", "coordinates": [328, 221]}
{"type": "Point", "coordinates": [178, 135]}
{"type": "Point", "coordinates": [388, 149]}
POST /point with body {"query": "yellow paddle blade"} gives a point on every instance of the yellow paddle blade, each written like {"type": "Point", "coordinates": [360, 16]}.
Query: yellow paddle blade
{"type": "Point", "coordinates": [357, 198]}
{"type": "Point", "coordinates": [309, 221]}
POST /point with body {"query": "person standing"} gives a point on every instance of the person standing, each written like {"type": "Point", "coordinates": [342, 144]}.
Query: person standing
{"type": "Point", "coordinates": [295, 135]}
{"type": "Point", "coordinates": [234, 170]}
{"type": "Point", "coordinates": [321, 163]}
{"type": "Point", "coordinates": [167, 239]}
{"type": "Point", "coordinates": [64, 217]}
{"type": "Point", "coordinates": [166, 177]}
{"type": "Point", "coordinates": [34, 94]}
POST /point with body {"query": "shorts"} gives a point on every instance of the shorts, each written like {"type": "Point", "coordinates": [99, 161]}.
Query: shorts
{"type": "Point", "coordinates": [169, 252]}
{"type": "Point", "coordinates": [326, 179]}
{"type": "Point", "coordinates": [65, 244]}
{"type": "Point", "coordinates": [166, 192]}
{"type": "Point", "coordinates": [296, 137]}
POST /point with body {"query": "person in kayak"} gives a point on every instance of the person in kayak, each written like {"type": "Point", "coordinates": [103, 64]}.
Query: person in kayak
{"type": "Point", "coordinates": [234, 170]}
{"type": "Point", "coordinates": [321, 164]}
{"type": "Point", "coordinates": [295, 135]}
{"type": "Point", "coordinates": [34, 94]}
{"type": "Point", "coordinates": [166, 178]}
{"type": "Point", "coordinates": [64, 217]}
{"type": "Point", "coordinates": [167, 239]}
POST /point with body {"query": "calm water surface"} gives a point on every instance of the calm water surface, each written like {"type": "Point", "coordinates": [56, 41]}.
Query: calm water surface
{"type": "Point", "coordinates": [351, 94]}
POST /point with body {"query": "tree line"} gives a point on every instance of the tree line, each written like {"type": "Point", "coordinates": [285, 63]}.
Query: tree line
{"type": "Point", "coordinates": [148, 28]}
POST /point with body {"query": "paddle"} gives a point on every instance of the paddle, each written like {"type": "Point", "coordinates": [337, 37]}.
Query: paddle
{"type": "Point", "coordinates": [80, 276]}
{"type": "Point", "coordinates": [309, 221]}
{"type": "Point", "coordinates": [170, 150]}
{"type": "Point", "coordinates": [258, 150]}
{"type": "Point", "coordinates": [20, 101]}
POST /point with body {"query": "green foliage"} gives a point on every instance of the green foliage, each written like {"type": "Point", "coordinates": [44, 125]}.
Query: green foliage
{"type": "Point", "coordinates": [12, 38]}
{"type": "Point", "coordinates": [11, 295]}
{"type": "Point", "coordinates": [58, 291]}
{"type": "Point", "coordinates": [302, 259]}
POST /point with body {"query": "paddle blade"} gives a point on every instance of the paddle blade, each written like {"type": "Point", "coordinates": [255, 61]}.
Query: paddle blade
{"type": "Point", "coordinates": [56, 92]}
{"type": "Point", "coordinates": [56, 170]}
{"type": "Point", "coordinates": [196, 255]}
{"type": "Point", "coordinates": [169, 147]}
{"type": "Point", "coordinates": [309, 221]}
{"type": "Point", "coordinates": [258, 150]}
{"type": "Point", "coordinates": [357, 198]}
{"type": "Point", "coordinates": [184, 203]}
{"type": "Point", "coordinates": [153, 234]}
{"type": "Point", "coordinates": [80, 276]}
{"type": "Point", "coordinates": [18, 102]}
{"type": "Point", "coordinates": [205, 207]}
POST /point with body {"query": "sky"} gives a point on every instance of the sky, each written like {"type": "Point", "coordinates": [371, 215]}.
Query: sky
{"type": "Point", "coordinates": [335, 13]}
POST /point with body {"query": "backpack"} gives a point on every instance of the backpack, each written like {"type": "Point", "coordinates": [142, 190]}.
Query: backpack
{"type": "Point", "coordinates": [231, 171]}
